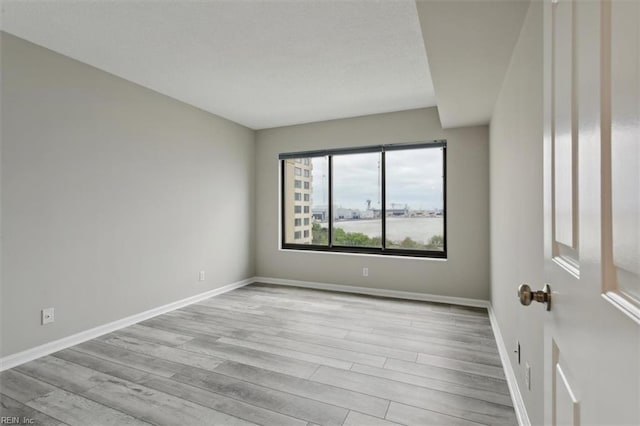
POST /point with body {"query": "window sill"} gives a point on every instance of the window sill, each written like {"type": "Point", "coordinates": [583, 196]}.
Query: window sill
{"type": "Point", "coordinates": [349, 251]}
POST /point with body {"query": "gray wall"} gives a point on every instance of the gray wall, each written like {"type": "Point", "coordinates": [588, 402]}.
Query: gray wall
{"type": "Point", "coordinates": [113, 197]}
{"type": "Point", "coordinates": [464, 274]}
{"type": "Point", "coordinates": [517, 207]}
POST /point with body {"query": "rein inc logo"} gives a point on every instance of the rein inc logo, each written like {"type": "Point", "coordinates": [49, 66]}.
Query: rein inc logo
{"type": "Point", "coordinates": [15, 420]}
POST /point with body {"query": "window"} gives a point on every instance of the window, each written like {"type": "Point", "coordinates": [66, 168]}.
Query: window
{"type": "Point", "coordinates": [355, 183]}
{"type": "Point", "coordinates": [388, 199]}
{"type": "Point", "coordinates": [298, 218]}
{"type": "Point", "coordinates": [415, 222]}
{"type": "Point", "coordinates": [298, 171]}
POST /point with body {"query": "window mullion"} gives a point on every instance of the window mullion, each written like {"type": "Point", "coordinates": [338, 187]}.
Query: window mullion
{"type": "Point", "coordinates": [383, 208]}
{"type": "Point", "coordinates": [330, 206]}
{"type": "Point", "coordinates": [283, 204]}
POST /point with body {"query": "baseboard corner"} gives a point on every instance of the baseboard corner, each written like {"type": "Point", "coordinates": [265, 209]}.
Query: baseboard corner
{"type": "Point", "coordinates": [514, 389]}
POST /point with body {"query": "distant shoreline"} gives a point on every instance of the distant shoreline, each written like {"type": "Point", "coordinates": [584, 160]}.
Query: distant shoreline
{"type": "Point", "coordinates": [419, 229]}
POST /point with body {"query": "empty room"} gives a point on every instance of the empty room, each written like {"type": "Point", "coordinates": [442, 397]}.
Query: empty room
{"type": "Point", "coordinates": [320, 212]}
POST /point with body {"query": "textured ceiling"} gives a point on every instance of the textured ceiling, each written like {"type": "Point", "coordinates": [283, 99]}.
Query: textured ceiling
{"type": "Point", "coordinates": [260, 63]}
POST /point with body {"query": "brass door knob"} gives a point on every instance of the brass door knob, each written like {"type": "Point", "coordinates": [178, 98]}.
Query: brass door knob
{"type": "Point", "coordinates": [526, 296]}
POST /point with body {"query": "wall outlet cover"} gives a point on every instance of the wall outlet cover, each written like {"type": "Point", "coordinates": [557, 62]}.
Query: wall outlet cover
{"type": "Point", "coordinates": [47, 316]}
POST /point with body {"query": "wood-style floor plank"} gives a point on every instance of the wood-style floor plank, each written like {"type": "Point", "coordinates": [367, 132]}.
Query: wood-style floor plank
{"type": "Point", "coordinates": [275, 355]}
{"type": "Point", "coordinates": [354, 346]}
{"type": "Point", "coordinates": [449, 375]}
{"type": "Point", "coordinates": [306, 388]}
{"type": "Point", "coordinates": [11, 408]}
{"type": "Point", "coordinates": [282, 364]}
{"type": "Point", "coordinates": [413, 416]}
{"type": "Point", "coordinates": [157, 407]}
{"type": "Point", "coordinates": [167, 353]}
{"type": "Point", "coordinates": [462, 354]}
{"type": "Point", "coordinates": [155, 335]}
{"type": "Point", "coordinates": [404, 338]}
{"type": "Point", "coordinates": [21, 387]}
{"type": "Point", "coordinates": [314, 348]}
{"type": "Point", "coordinates": [260, 396]}
{"type": "Point", "coordinates": [358, 419]}
{"type": "Point", "coordinates": [290, 324]}
{"type": "Point", "coordinates": [146, 363]}
{"type": "Point", "coordinates": [120, 371]}
{"type": "Point", "coordinates": [452, 334]}
{"type": "Point", "coordinates": [286, 352]}
{"type": "Point", "coordinates": [455, 364]}
{"type": "Point", "coordinates": [440, 385]}
{"type": "Point", "coordinates": [224, 404]}
{"type": "Point", "coordinates": [77, 410]}
{"type": "Point", "coordinates": [429, 399]}
{"type": "Point", "coordinates": [62, 374]}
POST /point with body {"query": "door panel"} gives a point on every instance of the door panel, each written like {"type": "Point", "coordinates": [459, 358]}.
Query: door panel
{"type": "Point", "coordinates": [625, 149]}
{"type": "Point", "coordinates": [592, 338]}
{"type": "Point", "coordinates": [563, 125]}
{"type": "Point", "coordinates": [567, 407]}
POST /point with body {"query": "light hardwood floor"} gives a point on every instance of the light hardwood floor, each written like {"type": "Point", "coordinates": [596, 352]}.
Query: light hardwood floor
{"type": "Point", "coordinates": [274, 355]}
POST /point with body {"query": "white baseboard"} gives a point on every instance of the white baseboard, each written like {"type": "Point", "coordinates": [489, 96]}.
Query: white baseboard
{"type": "Point", "coordinates": [16, 359]}
{"type": "Point", "coordinates": [516, 396]}
{"type": "Point", "coordinates": [376, 292]}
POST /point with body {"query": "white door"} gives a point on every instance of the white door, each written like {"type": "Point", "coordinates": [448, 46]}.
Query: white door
{"type": "Point", "coordinates": [592, 218]}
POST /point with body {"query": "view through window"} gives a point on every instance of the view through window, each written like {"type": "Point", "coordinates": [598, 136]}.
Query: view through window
{"type": "Point", "coordinates": [384, 199]}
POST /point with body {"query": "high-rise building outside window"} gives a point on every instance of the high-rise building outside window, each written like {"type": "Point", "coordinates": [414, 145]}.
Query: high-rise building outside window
{"type": "Point", "coordinates": [299, 177]}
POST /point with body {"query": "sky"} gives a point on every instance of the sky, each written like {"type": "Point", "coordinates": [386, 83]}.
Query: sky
{"type": "Point", "coordinates": [414, 178]}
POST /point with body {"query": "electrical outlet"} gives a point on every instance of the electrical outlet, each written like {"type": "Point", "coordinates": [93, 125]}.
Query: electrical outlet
{"type": "Point", "coordinates": [527, 376]}
{"type": "Point", "coordinates": [47, 316]}
{"type": "Point", "coordinates": [201, 276]}
{"type": "Point", "coordinates": [365, 272]}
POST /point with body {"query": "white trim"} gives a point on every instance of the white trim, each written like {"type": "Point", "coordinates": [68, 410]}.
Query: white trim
{"type": "Point", "coordinates": [514, 390]}
{"type": "Point", "coordinates": [376, 255]}
{"type": "Point", "coordinates": [625, 304]}
{"type": "Point", "coordinates": [377, 292]}
{"type": "Point", "coordinates": [16, 359]}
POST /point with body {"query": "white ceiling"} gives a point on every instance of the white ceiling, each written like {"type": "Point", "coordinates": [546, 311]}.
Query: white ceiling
{"type": "Point", "coordinates": [259, 63]}
{"type": "Point", "coordinates": [469, 44]}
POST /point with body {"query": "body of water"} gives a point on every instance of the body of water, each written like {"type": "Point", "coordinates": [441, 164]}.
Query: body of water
{"type": "Point", "coordinates": [419, 229]}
